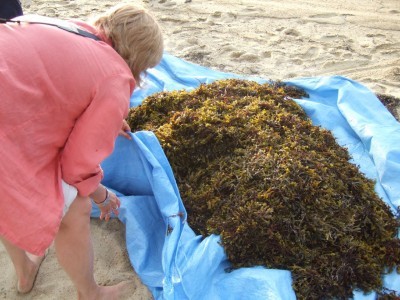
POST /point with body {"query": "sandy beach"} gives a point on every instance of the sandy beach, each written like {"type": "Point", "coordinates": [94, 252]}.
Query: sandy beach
{"type": "Point", "coordinates": [272, 39]}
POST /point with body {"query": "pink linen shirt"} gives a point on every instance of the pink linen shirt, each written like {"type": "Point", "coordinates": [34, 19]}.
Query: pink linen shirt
{"type": "Point", "coordinates": [63, 98]}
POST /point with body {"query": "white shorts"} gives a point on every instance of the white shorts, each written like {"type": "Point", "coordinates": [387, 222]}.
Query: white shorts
{"type": "Point", "coordinates": [70, 192]}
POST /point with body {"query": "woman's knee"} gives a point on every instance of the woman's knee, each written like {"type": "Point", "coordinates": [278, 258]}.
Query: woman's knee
{"type": "Point", "coordinates": [78, 212]}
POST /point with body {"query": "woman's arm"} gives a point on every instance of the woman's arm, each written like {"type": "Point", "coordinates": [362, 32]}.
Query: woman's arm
{"type": "Point", "coordinates": [93, 136]}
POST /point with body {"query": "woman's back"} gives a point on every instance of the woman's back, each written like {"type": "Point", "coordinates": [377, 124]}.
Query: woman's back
{"type": "Point", "coordinates": [79, 91]}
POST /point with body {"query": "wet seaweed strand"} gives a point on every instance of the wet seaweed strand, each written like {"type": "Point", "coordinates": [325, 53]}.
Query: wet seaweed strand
{"type": "Point", "coordinates": [281, 192]}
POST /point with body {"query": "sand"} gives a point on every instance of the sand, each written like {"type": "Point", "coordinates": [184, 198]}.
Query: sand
{"type": "Point", "coordinates": [271, 39]}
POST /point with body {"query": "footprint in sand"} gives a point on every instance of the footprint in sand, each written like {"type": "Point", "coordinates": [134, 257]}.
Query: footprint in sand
{"type": "Point", "coordinates": [227, 48]}
{"type": "Point", "coordinates": [311, 53]}
{"type": "Point", "coordinates": [336, 38]}
{"type": "Point", "coordinates": [199, 57]}
{"type": "Point", "coordinates": [394, 73]}
{"type": "Point", "coordinates": [292, 32]}
{"type": "Point", "coordinates": [387, 47]}
{"type": "Point", "coordinates": [328, 18]}
{"type": "Point", "coordinates": [243, 56]}
{"type": "Point", "coordinates": [321, 16]}
{"type": "Point", "coordinates": [251, 8]}
{"type": "Point", "coordinates": [216, 14]}
{"type": "Point", "coordinates": [266, 54]}
{"type": "Point", "coordinates": [167, 3]}
{"type": "Point", "coordinates": [372, 35]}
{"type": "Point", "coordinates": [249, 57]}
{"type": "Point", "coordinates": [296, 61]}
{"type": "Point", "coordinates": [237, 54]}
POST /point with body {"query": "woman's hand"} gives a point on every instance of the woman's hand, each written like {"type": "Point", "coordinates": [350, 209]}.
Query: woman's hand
{"type": "Point", "coordinates": [125, 129]}
{"type": "Point", "coordinates": [107, 202]}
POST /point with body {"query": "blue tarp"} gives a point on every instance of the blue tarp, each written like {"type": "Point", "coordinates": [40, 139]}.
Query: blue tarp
{"type": "Point", "coordinates": [167, 255]}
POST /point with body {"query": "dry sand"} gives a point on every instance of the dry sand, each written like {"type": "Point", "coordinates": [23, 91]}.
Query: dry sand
{"type": "Point", "coordinates": [273, 39]}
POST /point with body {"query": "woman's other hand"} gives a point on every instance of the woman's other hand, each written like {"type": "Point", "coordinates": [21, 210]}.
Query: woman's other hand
{"type": "Point", "coordinates": [125, 130]}
{"type": "Point", "coordinates": [112, 206]}
{"type": "Point", "coordinates": [107, 202]}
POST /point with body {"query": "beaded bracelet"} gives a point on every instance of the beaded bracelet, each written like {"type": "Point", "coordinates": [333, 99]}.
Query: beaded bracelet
{"type": "Point", "coordinates": [106, 201]}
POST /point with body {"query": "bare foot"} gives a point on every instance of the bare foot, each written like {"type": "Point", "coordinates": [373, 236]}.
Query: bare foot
{"type": "Point", "coordinates": [119, 291]}
{"type": "Point", "coordinates": [26, 282]}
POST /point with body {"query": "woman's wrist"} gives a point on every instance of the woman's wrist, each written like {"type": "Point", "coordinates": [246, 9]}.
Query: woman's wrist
{"type": "Point", "coordinates": [105, 198]}
{"type": "Point", "coordinates": [100, 194]}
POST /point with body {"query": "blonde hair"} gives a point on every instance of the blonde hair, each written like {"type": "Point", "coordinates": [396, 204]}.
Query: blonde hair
{"type": "Point", "coordinates": [135, 35]}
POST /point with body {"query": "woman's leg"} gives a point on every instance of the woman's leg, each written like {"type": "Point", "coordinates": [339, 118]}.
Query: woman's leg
{"type": "Point", "coordinates": [26, 266]}
{"type": "Point", "coordinates": [75, 252]}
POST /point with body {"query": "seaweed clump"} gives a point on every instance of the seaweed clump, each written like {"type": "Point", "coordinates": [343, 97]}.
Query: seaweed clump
{"type": "Point", "coordinates": [391, 103]}
{"type": "Point", "coordinates": [280, 191]}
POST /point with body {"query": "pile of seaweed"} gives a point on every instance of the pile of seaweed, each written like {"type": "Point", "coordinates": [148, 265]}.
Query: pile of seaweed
{"type": "Point", "coordinates": [391, 103]}
{"type": "Point", "coordinates": [281, 192]}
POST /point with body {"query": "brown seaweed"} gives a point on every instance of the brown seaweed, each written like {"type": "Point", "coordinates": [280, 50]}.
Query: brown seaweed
{"type": "Point", "coordinates": [391, 103]}
{"type": "Point", "coordinates": [280, 191]}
